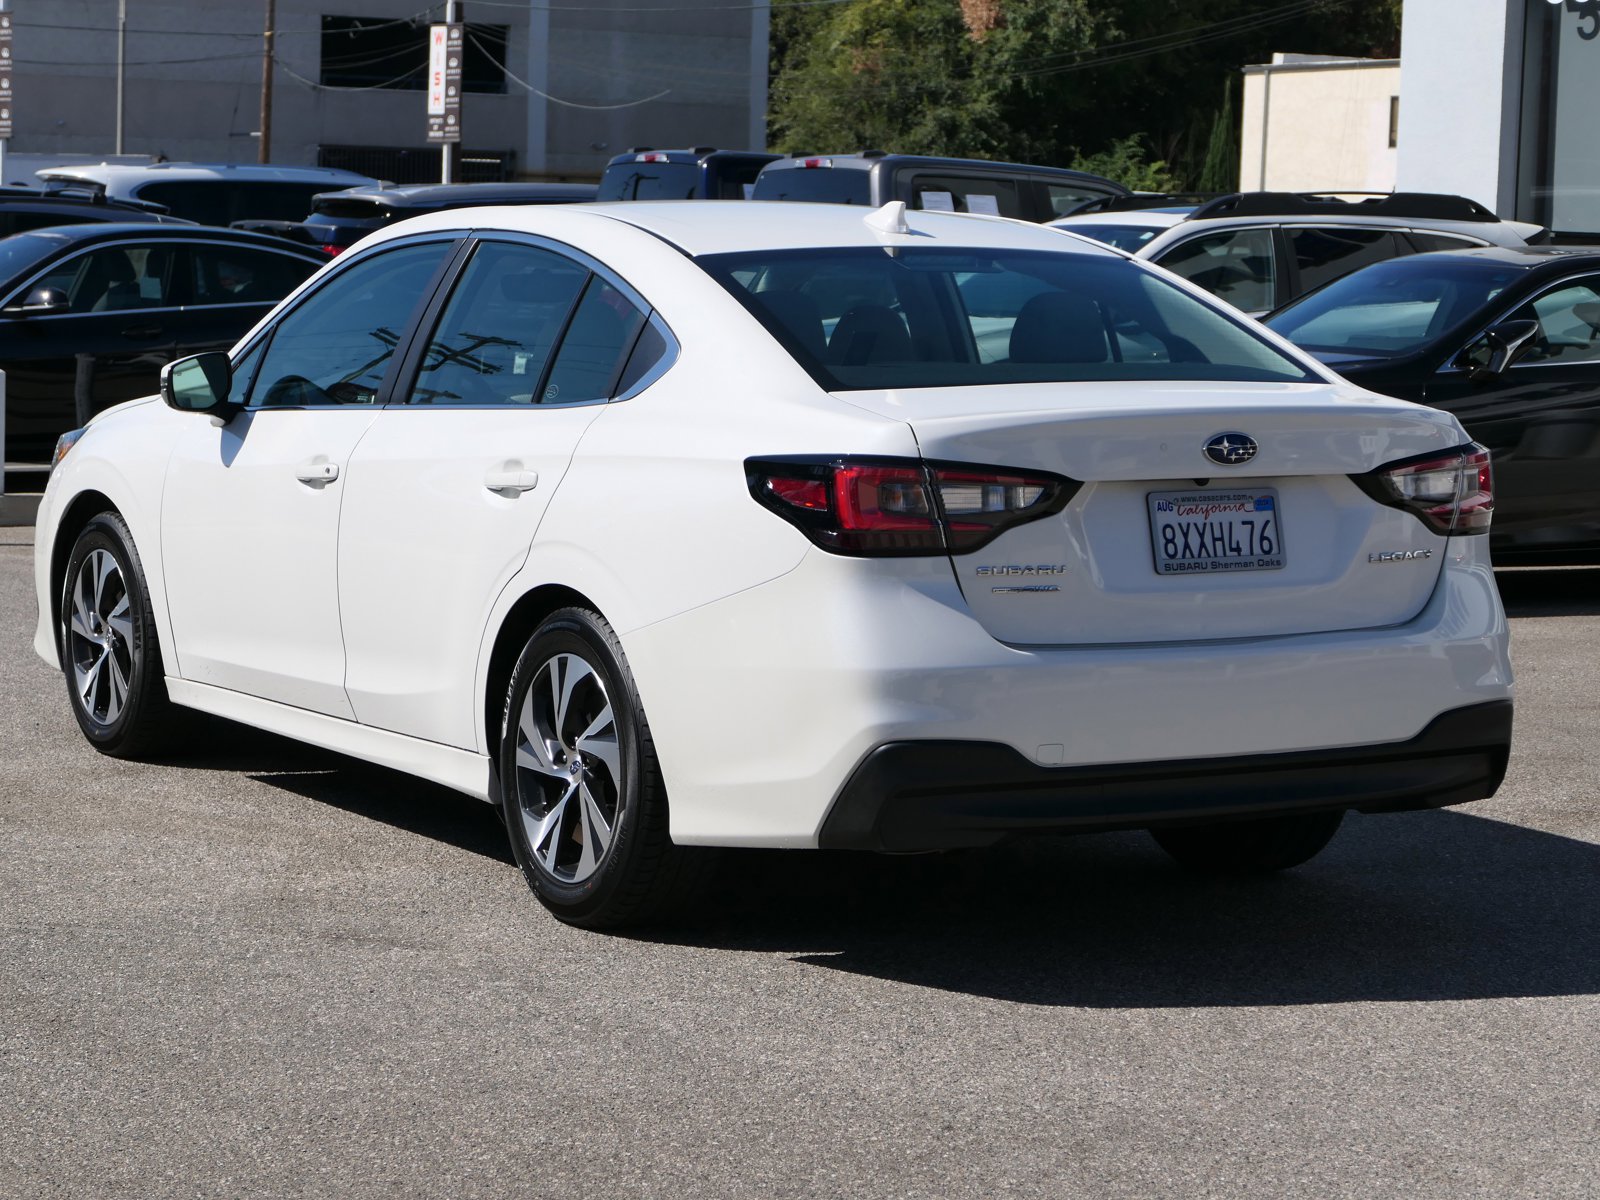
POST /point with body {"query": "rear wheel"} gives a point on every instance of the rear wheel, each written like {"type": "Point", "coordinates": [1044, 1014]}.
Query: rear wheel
{"type": "Point", "coordinates": [109, 652]}
{"type": "Point", "coordinates": [584, 800]}
{"type": "Point", "coordinates": [1250, 847]}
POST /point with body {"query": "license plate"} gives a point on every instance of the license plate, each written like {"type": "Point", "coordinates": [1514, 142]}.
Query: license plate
{"type": "Point", "coordinates": [1205, 532]}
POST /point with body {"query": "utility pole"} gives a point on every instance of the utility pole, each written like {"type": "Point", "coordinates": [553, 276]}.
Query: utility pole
{"type": "Point", "coordinates": [122, 63]}
{"type": "Point", "coordinates": [450, 150]}
{"type": "Point", "coordinates": [266, 81]}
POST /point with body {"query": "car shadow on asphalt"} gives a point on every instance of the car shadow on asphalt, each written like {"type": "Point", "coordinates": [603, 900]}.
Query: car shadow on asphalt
{"type": "Point", "coordinates": [362, 789]}
{"type": "Point", "coordinates": [1539, 592]}
{"type": "Point", "coordinates": [1417, 906]}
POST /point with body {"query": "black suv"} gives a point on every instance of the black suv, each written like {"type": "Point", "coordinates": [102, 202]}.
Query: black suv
{"type": "Point", "coordinates": [339, 220]}
{"type": "Point", "coordinates": [22, 209]}
{"type": "Point", "coordinates": [703, 173]}
{"type": "Point", "coordinates": [941, 184]}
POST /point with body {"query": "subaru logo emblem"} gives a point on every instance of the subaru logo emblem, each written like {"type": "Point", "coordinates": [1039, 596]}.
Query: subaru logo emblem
{"type": "Point", "coordinates": [1231, 449]}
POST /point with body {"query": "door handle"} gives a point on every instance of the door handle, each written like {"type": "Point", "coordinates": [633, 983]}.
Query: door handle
{"type": "Point", "coordinates": [511, 480]}
{"type": "Point", "coordinates": [141, 331]}
{"type": "Point", "coordinates": [317, 472]}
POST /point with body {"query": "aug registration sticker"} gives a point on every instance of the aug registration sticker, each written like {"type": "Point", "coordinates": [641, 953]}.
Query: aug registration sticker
{"type": "Point", "coordinates": [1205, 532]}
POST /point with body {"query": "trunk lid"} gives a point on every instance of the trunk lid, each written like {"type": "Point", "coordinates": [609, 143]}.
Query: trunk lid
{"type": "Point", "coordinates": [1145, 551]}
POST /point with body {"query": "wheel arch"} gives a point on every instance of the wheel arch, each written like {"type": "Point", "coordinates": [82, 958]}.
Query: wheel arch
{"type": "Point", "coordinates": [516, 627]}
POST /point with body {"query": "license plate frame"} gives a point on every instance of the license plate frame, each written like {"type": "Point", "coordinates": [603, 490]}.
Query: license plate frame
{"type": "Point", "coordinates": [1209, 532]}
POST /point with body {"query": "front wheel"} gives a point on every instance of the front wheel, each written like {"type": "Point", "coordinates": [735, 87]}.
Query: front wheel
{"type": "Point", "coordinates": [109, 651]}
{"type": "Point", "coordinates": [584, 800]}
{"type": "Point", "coordinates": [1250, 847]}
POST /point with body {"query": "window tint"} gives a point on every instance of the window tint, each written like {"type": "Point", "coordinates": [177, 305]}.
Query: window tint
{"type": "Point", "coordinates": [940, 318]}
{"type": "Point", "coordinates": [228, 275]}
{"type": "Point", "coordinates": [1237, 266]}
{"type": "Point", "coordinates": [113, 278]}
{"type": "Point", "coordinates": [496, 334]}
{"type": "Point", "coordinates": [1425, 242]}
{"type": "Point", "coordinates": [991, 194]}
{"type": "Point", "coordinates": [601, 332]}
{"type": "Point", "coordinates": [335, 347]}
{"type": "Point", "coordinates": [1569, 325]}
{"type": "Point", "coordinates": [1325, 254]}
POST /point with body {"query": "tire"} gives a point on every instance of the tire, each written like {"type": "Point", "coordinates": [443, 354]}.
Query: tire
{"type": "Point", "coordinates": [1250, 847]}
{"type": "Point", "coordinates": [110, 656]}
{"type": "Point", "coordinates": [584, 801]}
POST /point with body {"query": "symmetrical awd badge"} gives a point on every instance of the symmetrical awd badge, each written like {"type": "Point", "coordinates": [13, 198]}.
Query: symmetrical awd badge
{"type": "Point", "coordinates": [1231, 449]}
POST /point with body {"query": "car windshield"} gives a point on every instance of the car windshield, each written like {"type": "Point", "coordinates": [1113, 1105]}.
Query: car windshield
{"type": "Point", "coordinates": [1131, 238]}
{"type": "Point", "coordinates": [1394, 308]}
{"type": "Point", "coordinates": [23, 251]}
{"type": "Point", "coordinates": [867, 317]}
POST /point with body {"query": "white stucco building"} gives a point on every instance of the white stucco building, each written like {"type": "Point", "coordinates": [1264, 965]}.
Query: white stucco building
{"type": "Point", "coordinates": [1318, 123]}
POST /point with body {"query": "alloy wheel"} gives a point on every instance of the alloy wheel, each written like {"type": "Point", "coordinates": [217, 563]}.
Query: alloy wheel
{"type": "Point", "coordinates": [100, 637]}
{"type": "Point", "coordinates": [569, 770]}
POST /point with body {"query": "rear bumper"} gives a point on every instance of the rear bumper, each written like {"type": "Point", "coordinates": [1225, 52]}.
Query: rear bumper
{"type": "Point", "coordinates": [941, 795]}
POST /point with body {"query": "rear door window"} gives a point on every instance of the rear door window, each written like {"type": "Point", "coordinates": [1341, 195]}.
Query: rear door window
{"type": "Point", "coordinates": [1064, 199]}
{"type": "Point", "coordinates": [494, 340]}
{"type": "Point", "coordinates": [602, 331]}
{"type": "Point", "coordinates": [1426, 241]}
{"type": "Point", "coordinates": [238, 275]}
{"type": "Point", "coordinates": [1236, 265]}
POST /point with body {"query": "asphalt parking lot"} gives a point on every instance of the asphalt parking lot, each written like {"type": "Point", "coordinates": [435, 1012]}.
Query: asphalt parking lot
{"type": "Point", "coordinates": [265, 970]}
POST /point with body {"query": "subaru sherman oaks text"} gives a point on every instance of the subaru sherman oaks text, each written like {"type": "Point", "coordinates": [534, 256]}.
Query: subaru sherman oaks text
{"type": "Point", "coordinates": [668, 527]}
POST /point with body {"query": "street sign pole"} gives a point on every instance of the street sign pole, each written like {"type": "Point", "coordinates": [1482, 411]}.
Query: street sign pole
{"type": "Point", "coordinates": [446, 48]}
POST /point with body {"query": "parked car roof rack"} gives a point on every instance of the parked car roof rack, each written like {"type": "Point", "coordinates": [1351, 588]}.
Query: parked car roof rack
{"type": "Point", "coordinates": [1423, 205]}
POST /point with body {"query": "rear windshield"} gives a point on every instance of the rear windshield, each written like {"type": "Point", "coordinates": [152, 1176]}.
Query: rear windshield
{"type": "Point", "coordinates": [829, 185]}
{"type": "Point", "coordinates": [1131, 238]}
{"type": "Point", "coordinates": [650, 181]}
{"type": "Point", "coordinates": [223, 201]}
{"type": "Point", "coordinates": [863, 318]}
{"type": "Point", "coordinates": [1393, 308]}
{"type": "Point", "coordinates": [349, 208]}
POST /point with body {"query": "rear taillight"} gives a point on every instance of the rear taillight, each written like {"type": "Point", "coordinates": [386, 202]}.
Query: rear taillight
{"type": "Point", "coordinates": [1451, 493]}
{"type": "Point", "coordinates": [657, 157]}
{"type": "Point", "coordinates": [814, 163]}
{"type": "Point", "coordinates": [902, 506]}
{"type": "Point", "coordinates": [331, 250]}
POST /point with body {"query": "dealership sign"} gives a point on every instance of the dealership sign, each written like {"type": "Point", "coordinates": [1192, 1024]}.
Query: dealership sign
{"type": "Point", "coordinates": [444, 82]}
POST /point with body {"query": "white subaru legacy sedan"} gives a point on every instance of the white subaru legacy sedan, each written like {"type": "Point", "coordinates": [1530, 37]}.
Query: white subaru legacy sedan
{"type": "Point", "coordinates": [671, 526]}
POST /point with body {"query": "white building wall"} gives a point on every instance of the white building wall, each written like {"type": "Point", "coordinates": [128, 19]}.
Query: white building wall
{"type": "Point", "coordinates": [1458, 124]}
{"type": "Point", "coordinates": [1318, 125]}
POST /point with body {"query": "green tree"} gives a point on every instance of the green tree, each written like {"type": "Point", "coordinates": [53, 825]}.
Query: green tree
{"type": "Point", "coordinates": [1050, 81]}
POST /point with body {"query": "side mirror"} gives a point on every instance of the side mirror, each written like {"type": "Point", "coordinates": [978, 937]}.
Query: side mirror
{"type": "Point", "coordinates": [41, 301]}
{"type": "Point", "coordinates": [199, 383]}
{"type": "Point", "coordinates": [1498, 348]}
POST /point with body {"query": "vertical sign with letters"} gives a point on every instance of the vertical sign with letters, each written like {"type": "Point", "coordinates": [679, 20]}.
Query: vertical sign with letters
{"type": "Point", "coordinates": [5, 75]}
{"type": "Point", "coordinates": [445, 46]}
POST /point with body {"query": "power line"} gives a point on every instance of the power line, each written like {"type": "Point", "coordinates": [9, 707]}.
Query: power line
{"type": "Point", "coordinates": [557, 99]}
